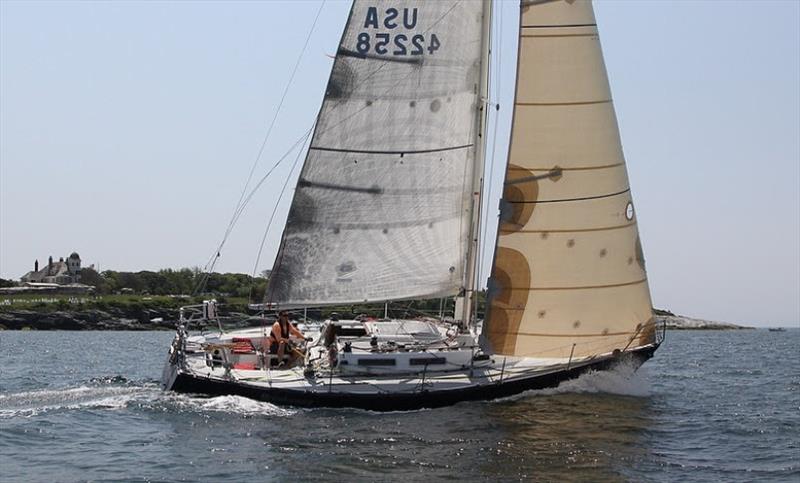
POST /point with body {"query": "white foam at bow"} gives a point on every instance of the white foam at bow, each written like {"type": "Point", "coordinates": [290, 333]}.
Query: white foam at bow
{"type": "Point", "coordinates": [623, 380]}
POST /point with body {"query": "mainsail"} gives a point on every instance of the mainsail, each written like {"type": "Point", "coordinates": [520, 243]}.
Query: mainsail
{"type": "Point", "coordinates": [382, 209]}
{"type": "Point", "coordinates": [569, 276]}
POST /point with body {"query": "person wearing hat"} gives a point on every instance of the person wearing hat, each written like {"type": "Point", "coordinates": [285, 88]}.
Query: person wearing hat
{"type": "Point", "coordinates": [282, 329]}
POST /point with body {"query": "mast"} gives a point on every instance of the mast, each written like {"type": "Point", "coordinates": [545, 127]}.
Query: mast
{"type": "Point", "coordinates": [467, 303]}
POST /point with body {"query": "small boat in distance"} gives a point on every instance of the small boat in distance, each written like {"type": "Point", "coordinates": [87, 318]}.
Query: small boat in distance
{"type": "Point", "coordinates": [387, 208]}
{"type": "Point", "coordinates": [777, 329]}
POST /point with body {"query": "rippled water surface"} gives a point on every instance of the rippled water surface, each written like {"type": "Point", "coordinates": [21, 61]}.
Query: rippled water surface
{"type": "Point", "coordinates": [78, 406]}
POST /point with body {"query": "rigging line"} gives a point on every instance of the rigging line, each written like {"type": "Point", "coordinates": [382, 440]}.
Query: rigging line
{"type": "Point", "coordinates": [285, 92]}
{"type": "Point", "coordinates": [274, 210]}
{"type": "Point", "coordinates": [300, 142]}
{"type": "Point", "coordinates": [268, 133]}
{"type": "Point", "coordinates": [471, 206]}
{"type": "Point", "coordinates": [481, 215]}
{"type": "Point", "coordinates": [210, 264]}
{"type": "Point", "coordinates": [209, 267]}
{"type": "Point", "coordinates": [498, 93]}
{"type": "Point", "coordinates": [212, 261]}
{"type": "Point", "coordinates": [280, 104]}
{"type": "Point", "coordinates": [474, 131]}
{"type": "Point", "coordinates": [483, 203]}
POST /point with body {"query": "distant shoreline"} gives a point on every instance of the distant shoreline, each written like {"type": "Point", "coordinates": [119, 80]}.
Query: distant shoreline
{"type": "Point", "coordinates": [150, 319]}
{"type": "Point", "coordinates": [161, 312]}
{"type": "Point", "coordinates": [679, 322]}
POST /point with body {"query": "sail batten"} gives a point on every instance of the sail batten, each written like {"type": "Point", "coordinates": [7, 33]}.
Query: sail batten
{"type": "Point", "coordinates": [572, 103]}
{"type": "Point", "coordinates": [379, 151]}
{"type": "Point", "coordinates": [558, 26]}
{"type": "Point", "coordinates": [383, 203]}
{"type": "Point", "coordinates": [568, 277]}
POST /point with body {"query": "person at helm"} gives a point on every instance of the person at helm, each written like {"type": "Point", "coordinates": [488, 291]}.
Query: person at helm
{"type": "Point", "coordinates": [282, 330]}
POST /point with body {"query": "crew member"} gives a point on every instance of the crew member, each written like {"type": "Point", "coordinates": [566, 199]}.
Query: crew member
{"type": "Point", "coordinates": [282, 329]}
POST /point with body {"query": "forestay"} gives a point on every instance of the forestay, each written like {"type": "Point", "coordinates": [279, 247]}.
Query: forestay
{"type": "Point", "coordinates": [382, 206]}
{"type": "Point", "coordinates": [569, 276]}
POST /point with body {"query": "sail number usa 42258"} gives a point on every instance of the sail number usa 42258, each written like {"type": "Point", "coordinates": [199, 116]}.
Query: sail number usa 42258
{"type": "Point", "coordinates": [390, 43]}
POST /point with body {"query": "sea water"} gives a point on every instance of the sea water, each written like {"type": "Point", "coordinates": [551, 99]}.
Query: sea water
{"type": "Point", "coordinates": [711, 405]}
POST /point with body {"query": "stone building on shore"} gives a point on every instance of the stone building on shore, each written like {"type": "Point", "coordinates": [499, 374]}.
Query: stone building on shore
{"type": "Point", "coordinates": [62, 272]}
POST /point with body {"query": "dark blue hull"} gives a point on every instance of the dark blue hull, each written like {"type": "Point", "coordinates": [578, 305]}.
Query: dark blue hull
{"type": "Point", "coordinates": [189, 383]}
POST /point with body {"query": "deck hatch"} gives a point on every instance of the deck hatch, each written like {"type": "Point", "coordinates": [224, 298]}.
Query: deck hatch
{"type": "Point", "coordinates": [427, 361]}
{"type": "Point", "coordinates": [350, 331]}
{"type": "Point", "coordinates": [377, 362]}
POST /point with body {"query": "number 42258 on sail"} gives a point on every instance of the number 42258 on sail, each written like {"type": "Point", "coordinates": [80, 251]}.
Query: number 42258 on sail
{"type": "Point", "coordinates": [397, 44]}
{"type": "Point", "coordinates": [394, 44]}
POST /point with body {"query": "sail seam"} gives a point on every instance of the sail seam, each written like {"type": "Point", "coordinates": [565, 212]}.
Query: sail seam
{"type": "Point", "coordinates": [368, 151]}
{"type": "Point", "coordinates": [586, 287]}
{"type": "Point", "coordinates": [575, 230]}
{"type": "Point", "coordinates": [377, 190]}
{"type": "Point", "coordinates": [535, 334]}
{"type": "Point", "coordinates": [558, 35]}
{"type": "Point", "coordinates": [575, 25]}
{"type": "Point", "coordinates": [579, 168]}
{"type": "Point", "coordinates": [376, 225]}
{"type": "Point", "coordinates": [575, 199]}
{"type": "Point", "coordinates": [575, 103]}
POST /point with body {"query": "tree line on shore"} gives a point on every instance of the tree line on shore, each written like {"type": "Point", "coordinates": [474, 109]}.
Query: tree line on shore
{"type": "Point", "coordinates": [226, 287]}
{"type": "Point", "coordinates": [184, 281]}
{"type": "Point", "coordinates": [193, 281]}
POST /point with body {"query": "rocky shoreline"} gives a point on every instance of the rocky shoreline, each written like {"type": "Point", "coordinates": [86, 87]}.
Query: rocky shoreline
{"type": "Point", "coordinates": [111, 319]}
{"type": "Point", "coordinates": [679, 322]}
{"type": "Point", "coordinates": [89, 319]}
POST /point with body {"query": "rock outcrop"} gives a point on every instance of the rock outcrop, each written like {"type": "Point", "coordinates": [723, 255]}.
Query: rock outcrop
{"type": "Point", "coordinates": [90, 319]}
{"type": "Point", "coordinates": [679, 322]}
{"type": "Point", "coordinates": [111, 319]}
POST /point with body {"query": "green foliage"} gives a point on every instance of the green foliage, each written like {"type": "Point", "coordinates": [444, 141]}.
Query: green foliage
{"type": "Point", "coordinates": [176, 282]}
{"type": "Point", "coordinates": [137, 293]}
{"type": "Point", "coordinates": [89, 276]}
{"type": "Point", "coordinates": [6, 283]}
{"type": "Point", "coordinates": [133, 306]}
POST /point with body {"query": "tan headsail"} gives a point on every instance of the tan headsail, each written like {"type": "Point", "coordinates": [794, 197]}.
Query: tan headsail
{"type": "Point", "coordinates": [569, 275]}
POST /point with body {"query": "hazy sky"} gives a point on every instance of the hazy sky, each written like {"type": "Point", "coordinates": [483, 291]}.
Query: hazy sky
{"type": "Point", "coordinates": [127, 131]}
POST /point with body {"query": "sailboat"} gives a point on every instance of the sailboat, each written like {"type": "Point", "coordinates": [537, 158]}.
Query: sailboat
{"type": "Point", "coordinates": [387, 207]}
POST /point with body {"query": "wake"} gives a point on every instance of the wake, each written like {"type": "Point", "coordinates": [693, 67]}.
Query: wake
{"type": "Point", "coordinates": [117, 393]}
